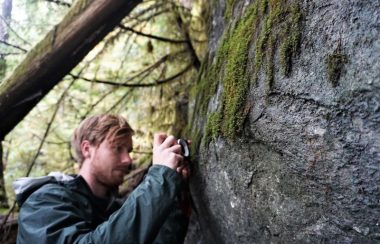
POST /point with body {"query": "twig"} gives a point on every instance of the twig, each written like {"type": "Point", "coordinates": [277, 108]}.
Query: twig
{"type": "Point", "coordinates": [164, 39]}
{"type": "Point", "coordinates": [14, 46]}
{"type": "Point", "coordinates": [60, 3]}
{"type": "Point", "coordinates": [10, 53]}
{"type": "Point", "coordinates": [156, 83]}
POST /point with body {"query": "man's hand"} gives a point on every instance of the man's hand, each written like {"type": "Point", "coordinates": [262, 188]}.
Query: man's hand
{"type": "Point", "coordinates": [166, 151]}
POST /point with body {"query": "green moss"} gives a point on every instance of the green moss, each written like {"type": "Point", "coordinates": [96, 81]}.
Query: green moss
{"type": "Point", "coordinates": [208, 82]}
{"type": "Point", "coordinates": [292, 36]}
{"type": "Point", "coordinates": [335, 63]}
{"type": "Point", "coordinates": [236, 80]}
{"type": "Point", "coordinates": [229, 9]}
{"type": "Point", "coordinates": [269, 69]}
{"type": "Point", "coordinates": [282, 25]}
{"type": "Point", "coordinates": [263, 6]}
{"type": "Point", "coordinates": [268, 24]}
{"type": "Point", "coordinates": [212, 127]}
{"type": "Point", "coordinates": [266, 33]}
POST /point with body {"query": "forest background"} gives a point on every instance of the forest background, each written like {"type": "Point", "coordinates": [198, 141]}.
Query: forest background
{"type": "Point", "coordinates": [143, 70]}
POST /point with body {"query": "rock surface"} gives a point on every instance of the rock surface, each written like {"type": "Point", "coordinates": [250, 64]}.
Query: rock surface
{"type": "Point", "coordinates": [305, 165]}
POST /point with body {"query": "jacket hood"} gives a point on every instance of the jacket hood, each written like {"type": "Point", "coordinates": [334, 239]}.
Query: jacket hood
{"type": "Point", "coordinates": [25, 186]}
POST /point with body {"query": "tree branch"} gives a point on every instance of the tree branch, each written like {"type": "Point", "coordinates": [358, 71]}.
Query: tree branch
{"type": "Point", "coordinates": [14, 46]}
{"type": "Point", "coordinates": [141, 74]}
{"type": "Point", "coordinates": [164, 39]}
{"type": "Point", "coordinates": [156, 83]}
{"type": "Point", "coordinates": [62, 3]}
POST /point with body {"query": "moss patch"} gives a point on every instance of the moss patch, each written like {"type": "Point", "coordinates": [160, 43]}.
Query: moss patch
{"type": "Point", "coordinates": [229, 9]}
{"type": "Point", "coordinates": [213, 126]}
{"type": "Point", "coordinates": [236, 80]}
{"type": "Point", "coordinates": [335, 64]}
{"type": "Point", "coordinates": [282, 26]}
{"type": "Point", "coordinates": [271, 26]}
{"type": "Point", "coordinates": [291, 40]}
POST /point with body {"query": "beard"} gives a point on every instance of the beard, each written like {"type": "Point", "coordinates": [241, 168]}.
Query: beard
{"type": "Point", "coordinates": [108, 176]}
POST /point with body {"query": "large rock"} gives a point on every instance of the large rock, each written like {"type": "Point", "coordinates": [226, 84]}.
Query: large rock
{"type": "Point", "coordinates": [303, 165]}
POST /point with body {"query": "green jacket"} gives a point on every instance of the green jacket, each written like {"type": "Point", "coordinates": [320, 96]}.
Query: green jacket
{"type": "Point", "coordinates": [68, 212]}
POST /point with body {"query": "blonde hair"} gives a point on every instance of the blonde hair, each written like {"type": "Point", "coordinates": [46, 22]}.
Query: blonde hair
{"type": "Point", "coordinates": [96, 129]}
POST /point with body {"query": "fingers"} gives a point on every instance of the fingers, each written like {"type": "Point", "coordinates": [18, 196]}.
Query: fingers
{"type": "Point", "coordinates": [159, 138]}
{"type": "Point", "coordinates": [184, 171]}
{"type": "Point", "coordinates": [166, 151]}
{"type": "Point", "coordinates": [169, 141]}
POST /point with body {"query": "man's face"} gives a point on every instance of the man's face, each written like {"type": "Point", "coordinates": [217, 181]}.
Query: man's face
{"type": "Point", "coordinates": [111, 162]}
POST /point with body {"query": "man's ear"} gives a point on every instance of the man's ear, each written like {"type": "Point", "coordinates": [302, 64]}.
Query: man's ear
{"type": "Point", "coordinates": [85, 147]}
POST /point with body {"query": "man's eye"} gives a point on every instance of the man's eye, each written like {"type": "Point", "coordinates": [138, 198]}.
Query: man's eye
{"type": "Point", "coordinates": [118, 148]}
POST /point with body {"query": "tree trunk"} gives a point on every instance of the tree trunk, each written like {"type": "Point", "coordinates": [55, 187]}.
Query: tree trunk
{"type": "Point", "coordinates": [84, 26]}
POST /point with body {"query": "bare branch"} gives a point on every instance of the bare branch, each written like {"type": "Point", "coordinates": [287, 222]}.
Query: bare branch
{"type": "Point", "coordinates": [62, 3]}
{"type": "Point", "coordinates": [164, 39]}
{"type": "Point", "coordinates": [14, 46]}
{"type": "Point", "coordinates": [142, 74]}
{"type": "Point", "coordinates": [8, 54]}
{"type": "Point", "coordinates": [156, 83]}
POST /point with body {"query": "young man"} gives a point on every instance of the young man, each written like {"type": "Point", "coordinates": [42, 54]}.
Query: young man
{"type": "Point", "coordinates": [83, 209]}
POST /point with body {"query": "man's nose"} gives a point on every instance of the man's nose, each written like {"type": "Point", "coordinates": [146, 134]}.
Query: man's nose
{"type": "Point", "coordinates": [126, 158]}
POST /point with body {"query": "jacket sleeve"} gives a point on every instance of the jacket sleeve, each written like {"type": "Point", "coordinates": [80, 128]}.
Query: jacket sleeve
{"type": "Point", "coordinates": [48, 218]}
{"type": "Point", "coordinates": [175, 227]}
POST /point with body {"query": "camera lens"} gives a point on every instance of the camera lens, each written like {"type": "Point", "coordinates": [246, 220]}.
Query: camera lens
{"type": "Point", "coordinates": [184, 147]}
